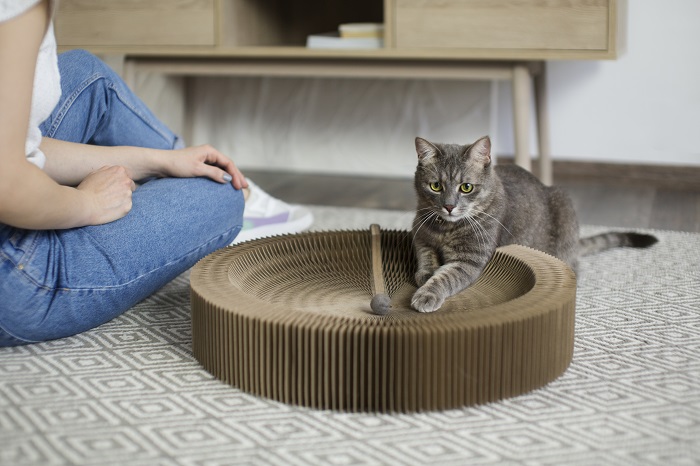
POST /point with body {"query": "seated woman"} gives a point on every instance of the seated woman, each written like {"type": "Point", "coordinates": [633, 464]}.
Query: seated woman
{"type": "Point", "coordinates": [80, 241]}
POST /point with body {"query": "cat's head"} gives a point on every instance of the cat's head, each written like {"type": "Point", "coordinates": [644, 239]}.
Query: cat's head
{"type": "Point", "coordinates": [453, 180]}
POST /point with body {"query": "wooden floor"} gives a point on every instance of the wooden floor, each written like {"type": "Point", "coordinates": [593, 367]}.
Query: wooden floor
{"type": "Point", "coordinates": [597, 201]}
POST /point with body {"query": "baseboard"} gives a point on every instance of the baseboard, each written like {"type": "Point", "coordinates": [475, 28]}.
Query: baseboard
{"type": "Point", "coordinates": [669, 176]}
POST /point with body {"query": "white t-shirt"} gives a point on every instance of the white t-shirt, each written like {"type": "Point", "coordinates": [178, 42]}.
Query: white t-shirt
{"type": "Point", "coordinates": [47, 80]}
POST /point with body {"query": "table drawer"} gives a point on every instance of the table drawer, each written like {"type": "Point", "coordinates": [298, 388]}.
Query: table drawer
{"type": "Point", "coordinates": [503, 24]}
{"type": "Point", "coordinates": [136, 22]}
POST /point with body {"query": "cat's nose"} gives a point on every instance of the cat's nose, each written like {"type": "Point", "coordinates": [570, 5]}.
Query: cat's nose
{"type": "Point", "coordinates": [449, 208]}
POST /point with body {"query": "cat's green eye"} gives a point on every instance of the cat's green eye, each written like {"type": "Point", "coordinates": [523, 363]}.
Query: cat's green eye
{"type": "Point", "coordinates": [466, 188]}
{"type": "Point", "coordinates": [436, 186]}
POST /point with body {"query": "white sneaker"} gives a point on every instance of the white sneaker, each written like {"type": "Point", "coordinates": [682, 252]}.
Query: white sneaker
{"type": "Point", "coordinates": [266, 216]}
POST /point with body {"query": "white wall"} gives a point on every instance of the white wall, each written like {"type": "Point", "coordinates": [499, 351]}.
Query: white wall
{"type": "Point", "coordinates": [642, 108]}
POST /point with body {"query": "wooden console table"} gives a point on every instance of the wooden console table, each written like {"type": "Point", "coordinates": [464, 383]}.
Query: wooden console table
{"type": "Point", "coordinates": [423, 39]}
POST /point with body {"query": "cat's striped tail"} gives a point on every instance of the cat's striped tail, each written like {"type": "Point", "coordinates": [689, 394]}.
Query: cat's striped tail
{"type": "Point", "coordinates": [605, 241]}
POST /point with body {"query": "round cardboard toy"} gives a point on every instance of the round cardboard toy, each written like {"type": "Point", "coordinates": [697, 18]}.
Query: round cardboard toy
{"type": "Point", "coordinates": [289, 318]}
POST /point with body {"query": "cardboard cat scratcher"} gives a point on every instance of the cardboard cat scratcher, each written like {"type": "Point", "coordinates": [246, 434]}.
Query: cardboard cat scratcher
{"type": "Point", "coordinates": [289, 318]}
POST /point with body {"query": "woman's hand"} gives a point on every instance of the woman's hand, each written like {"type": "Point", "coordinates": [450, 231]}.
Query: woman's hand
{"type": "Point", "coordinates": [110, 190]}
{"type": "Point", "coordinates": [204, 161]}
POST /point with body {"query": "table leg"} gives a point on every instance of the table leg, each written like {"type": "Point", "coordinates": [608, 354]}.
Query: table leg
{"type": "Point", "coordinates": [522, 98]}
{"type": "Point", "coordinates": [129, 73]}
{"type": "Point", "coordinates": [189, 107]}
{"type": "Point", "coordinates": [545, 154]}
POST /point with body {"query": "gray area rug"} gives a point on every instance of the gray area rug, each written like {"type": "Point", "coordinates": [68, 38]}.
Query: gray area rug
{"type": "Point", "coordinates": [130, 392]}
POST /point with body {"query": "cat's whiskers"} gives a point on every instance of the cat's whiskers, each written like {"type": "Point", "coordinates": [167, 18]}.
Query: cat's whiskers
{"type": "Point", "coordinates": [479, 230]}
{"type": "Point", "coordinates": [422, 220]}
{"type": "Point", "coordinates": [416, 215]}
{"type": "Point", "coordinates": [477, 234]}
{"type": "Point", "coordinates": [481, 212]}
{"type": "Point", "coordinates": [406, 214]}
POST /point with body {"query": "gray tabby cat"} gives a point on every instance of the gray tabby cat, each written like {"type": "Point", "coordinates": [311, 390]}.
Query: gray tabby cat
{"type": "Point", "coordinates": [467, 207]}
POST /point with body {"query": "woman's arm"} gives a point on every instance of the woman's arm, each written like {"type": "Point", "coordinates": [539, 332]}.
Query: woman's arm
{"type": "Point", "coordinates": [29, 198]}
{"type": "Point", "coordinates": [69, 163]}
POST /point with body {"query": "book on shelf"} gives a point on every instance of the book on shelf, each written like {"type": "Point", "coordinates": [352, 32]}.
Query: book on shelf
{"type": "Point", "coordinates": [349, 36]}
{"type": "Point", "coordinates": [332, 40]}
{"type": "Point", "coordinates": [375, 30]}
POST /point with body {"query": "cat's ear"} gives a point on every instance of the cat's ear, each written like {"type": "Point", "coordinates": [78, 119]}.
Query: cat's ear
{"type": "Point", "coordinates": [481, 151]}
{"type": "Point", "coordinates": [425, 149]}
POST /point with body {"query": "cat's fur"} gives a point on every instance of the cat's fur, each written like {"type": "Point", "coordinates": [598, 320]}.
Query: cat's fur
{"type": "Point", "coordinates": [456, 233]}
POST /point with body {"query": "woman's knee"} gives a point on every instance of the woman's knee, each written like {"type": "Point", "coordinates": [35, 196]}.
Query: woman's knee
{"type": "Point", "coordinates": [221, 208]}
{"type": "Point", "coordinates": [78, 63]}
{"type": "Point", "coordinates": [221, 203]}
{"type": "Point", "coordinates": [97, 107]}
{"type": "Point", "coordinates": [197, 208]}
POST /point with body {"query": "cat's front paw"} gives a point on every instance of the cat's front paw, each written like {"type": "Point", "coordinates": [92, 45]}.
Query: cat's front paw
{"type": "Point", "coordinates": [426, 301]}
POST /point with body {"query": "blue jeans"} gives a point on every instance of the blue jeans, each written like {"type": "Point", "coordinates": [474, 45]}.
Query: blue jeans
{"type": "Point", "coordinates": [56, 283]}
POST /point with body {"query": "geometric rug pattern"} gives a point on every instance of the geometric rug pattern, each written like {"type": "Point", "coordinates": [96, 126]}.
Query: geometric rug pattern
{"type": "Point", "coordinates": [130, 392]}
